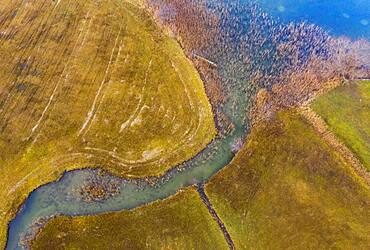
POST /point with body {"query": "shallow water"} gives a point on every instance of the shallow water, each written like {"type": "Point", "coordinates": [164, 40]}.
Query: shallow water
{"type": "Point", "coordinates": [58, 198]}
{"type": "Point", "coordinates": [340, 17]}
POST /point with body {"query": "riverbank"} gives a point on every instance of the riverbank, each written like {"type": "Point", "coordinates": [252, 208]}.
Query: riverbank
{"type": "Point", "coordinates": [238, 78]}
{"type": "Point", "coordinates": [179, 222]}
{"type": "Point", "coordinates": [289, 188]}
{"type": "Point", "coordinates": [81, 91]}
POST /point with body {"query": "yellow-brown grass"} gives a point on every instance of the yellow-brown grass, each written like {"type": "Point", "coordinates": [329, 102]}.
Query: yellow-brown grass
{"type": "Point", "coordinates": [91, 84]}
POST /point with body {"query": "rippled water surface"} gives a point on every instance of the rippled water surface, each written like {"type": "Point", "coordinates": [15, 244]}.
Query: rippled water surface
{"type": "Point", "coordinates": [340, 17]}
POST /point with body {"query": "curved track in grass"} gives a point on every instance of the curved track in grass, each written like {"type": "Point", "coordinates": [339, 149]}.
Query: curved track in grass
{"type": "Point", "coordinates": [243, 66]}
{"type": "Point", "coordinates": [61, 198]}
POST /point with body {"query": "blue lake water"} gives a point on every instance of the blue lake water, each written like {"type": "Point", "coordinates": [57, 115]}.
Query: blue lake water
{"type": "Point", "coordinates": [350, 18]}
{"type": "Point", "coordinates": [339, 17]}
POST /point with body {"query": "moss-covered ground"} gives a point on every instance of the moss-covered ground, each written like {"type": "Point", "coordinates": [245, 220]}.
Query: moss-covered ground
{"type": "Point", "coordinates": [91, 84]}
{"type": "Point", "coordinates": [287, 189]}
{"type": "Point", "coordinates": [346, 110]}
{"type": "Point", "coordinates": [179, 222]}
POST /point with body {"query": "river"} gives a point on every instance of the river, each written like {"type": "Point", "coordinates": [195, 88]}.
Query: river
{"type": "Point", "coordinates": [59, 197]}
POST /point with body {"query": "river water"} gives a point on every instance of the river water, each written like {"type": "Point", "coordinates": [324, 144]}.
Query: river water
{"type": "Point", "coordinates": [59, 197]}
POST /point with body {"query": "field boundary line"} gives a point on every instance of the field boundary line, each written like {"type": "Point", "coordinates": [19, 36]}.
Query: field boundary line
{"type": "Point", "coordinates": [323, 129]}
{"type": "Point", "coordinates": [212, 211]}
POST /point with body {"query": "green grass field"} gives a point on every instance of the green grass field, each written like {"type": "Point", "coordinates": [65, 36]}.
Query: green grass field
{"type": "Point", "coordinates": [287, 189]}
{"type": "Point", "coordinates": [346, 110]}
{"type": "Point", "coordinates": [179, 222]}
{"type": "Point", "coordinates": [92, 84]}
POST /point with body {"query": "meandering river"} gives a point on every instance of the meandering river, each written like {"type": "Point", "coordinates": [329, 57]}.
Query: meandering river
{"type": "Point", "coordinates": [59, 197]}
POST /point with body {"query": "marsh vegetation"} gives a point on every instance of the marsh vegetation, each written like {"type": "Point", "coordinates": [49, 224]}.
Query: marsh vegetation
{"type": "Point", "coordinates": [132, 103]}
{"type": "Point", "coordinates": [92, 84]}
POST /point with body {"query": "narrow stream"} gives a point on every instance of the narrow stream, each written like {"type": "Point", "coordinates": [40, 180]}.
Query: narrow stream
{"type": "Point", "coordinates": [59, 198]}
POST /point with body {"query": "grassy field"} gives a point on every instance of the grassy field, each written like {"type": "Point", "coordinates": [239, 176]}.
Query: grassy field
{"type": "Point", "coordinates": [91, 83]}
{"type": "Point", "coordinates": [179, 222]}
{"type": "Point", "coordinates": [346, 110]}
{"type": "Point", "coordinates": [287, 189]}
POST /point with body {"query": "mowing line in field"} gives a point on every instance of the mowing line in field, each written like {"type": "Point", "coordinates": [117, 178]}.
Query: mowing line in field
{"type": "Point", "coordinates": [201, 114]}
{"type": "Point", "coordinates": [93, 107]}
{"type": "Point", "coordinates": [51, 98]}
{"type": "Point", "coordinates": [21, 181]}
{"type": "Point", "coordinates": [56, 5]}
{"type": "Point", "coordinates": [104, 93]}
{"type": "Point", "coordinates": [128, 122]}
